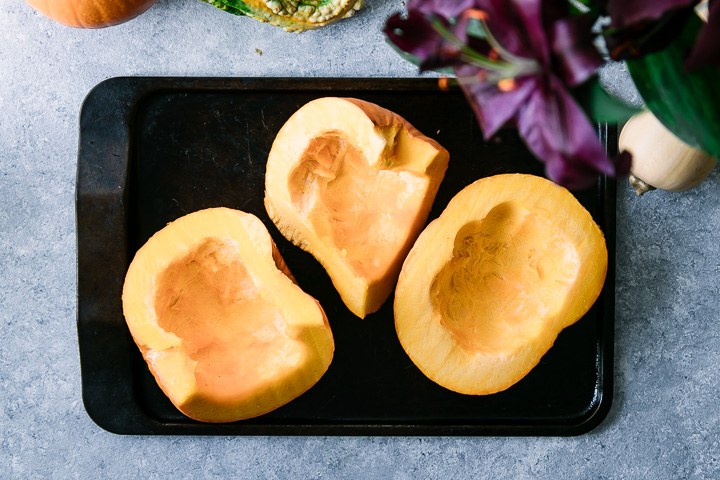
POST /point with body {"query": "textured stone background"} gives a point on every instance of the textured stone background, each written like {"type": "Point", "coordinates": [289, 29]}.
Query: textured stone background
{"type": "Point", "coordinates": [665, 419]}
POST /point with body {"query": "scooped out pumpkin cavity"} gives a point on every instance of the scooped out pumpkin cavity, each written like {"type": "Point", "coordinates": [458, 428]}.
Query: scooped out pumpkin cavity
{"type": "Point", "coordinates": [489, 284]}
{"type": "Point", "coordinates": [364, 209]}
{"type": "Point", "coordinates": [512, 269]}
{"type": "Point", "coordinates": [223, 327]}
{"type": "Point", "coordinates": [352, 183]}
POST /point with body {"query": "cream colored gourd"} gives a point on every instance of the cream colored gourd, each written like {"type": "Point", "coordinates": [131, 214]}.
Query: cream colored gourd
{"type": "Point", "coordinates": [660, 159]}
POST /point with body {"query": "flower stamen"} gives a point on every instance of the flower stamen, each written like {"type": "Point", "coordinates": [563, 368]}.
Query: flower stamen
{"type": "Point", "coordinates": [475, 14]}
{"type": "Point", "coordinates": [507, 85]}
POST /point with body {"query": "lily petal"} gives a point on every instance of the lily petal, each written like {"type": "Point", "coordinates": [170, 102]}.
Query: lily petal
{"type": "Point", "coordinates": [413, 34]}
{"type": "Point", "coordinates": [573, 49]}
{"type": "Point", "coordinates": [556, 129]}
{"type": "Point", "coordinates": [518, 26]}
{"type": "Point", "coordinates": [707, 46]}
{"type": "Point", "coordinates": [492, 107]}
{"type": "Point", "coordinates": [624, 12]}
{"type": "Point", "coordinates": [446, 8]}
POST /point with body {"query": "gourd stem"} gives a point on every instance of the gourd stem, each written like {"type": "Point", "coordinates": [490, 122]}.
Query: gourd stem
{"type": "Point", "coordinates": [639, 186]}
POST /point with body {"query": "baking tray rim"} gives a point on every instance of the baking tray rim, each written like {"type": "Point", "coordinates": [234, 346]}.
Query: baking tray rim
{"type": "Point", "coordinates": [143, 86]}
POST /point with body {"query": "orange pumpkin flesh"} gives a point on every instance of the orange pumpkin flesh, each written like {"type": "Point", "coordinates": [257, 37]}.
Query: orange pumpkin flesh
{"type": "Point", "coordinates": [91, 13]}
{"type": "Point", "coordinates": [223, 327]}
{"type": "Point", "coordinates": [490, 284]}
{"type": "Point", "coordinates": [353, 183]}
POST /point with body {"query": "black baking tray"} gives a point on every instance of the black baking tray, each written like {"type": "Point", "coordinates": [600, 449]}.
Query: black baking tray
{"type": "Point", "coordinates": [154, 149]}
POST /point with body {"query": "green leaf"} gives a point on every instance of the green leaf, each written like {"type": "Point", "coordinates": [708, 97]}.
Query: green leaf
{"type": "Point", "coordinates": [584, 7]}
{"type": "Point", "coordinates": [238, 9]}
{"type": "Point", "coordinates": [688, 104]}
{"type": "Point", "coordinates": [599, 105]}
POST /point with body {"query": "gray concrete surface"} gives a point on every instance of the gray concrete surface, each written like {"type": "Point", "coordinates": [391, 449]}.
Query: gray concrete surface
{"type": "Point", "coordinates": [665, 418]}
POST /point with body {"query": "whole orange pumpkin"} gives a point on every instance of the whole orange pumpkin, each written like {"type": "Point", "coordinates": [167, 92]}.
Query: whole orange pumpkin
{"type": "Point", "coordinates": [91, 13]}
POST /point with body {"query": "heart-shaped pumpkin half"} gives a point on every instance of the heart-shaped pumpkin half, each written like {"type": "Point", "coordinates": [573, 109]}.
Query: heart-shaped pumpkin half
{"type": "Point", "coordinates": [490, 283]}
{"type": "Point", "coordinates": [352, 183]}
{"type": "Point", "coordinates": [224, 329]}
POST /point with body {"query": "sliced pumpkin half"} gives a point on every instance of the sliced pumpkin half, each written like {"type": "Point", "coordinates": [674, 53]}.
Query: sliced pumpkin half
{"type": "Point", "coordinates": [224, 329]}
{"type": "Point", "coordinates": [352, 183]}
{"type": "Point", "coordinates": [489, 284]}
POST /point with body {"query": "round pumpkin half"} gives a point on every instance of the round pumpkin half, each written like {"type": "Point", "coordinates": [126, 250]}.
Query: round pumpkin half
{"type": "Point", "coordinates": [91, 13]}
{"type": "Point", "coordinates": [352, 183]}
{"type": "Point", "coordinates": [224, 329]}
{"type": "Point", "coordinates": [489, 284]}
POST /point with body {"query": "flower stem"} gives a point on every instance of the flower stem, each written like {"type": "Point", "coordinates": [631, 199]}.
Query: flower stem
{"type": "Point", "coordinates": [524, 65]}
{"type": "Point", "coordinates": [514, 66]}
{"type": "Point", "coordinates": [468, 53]}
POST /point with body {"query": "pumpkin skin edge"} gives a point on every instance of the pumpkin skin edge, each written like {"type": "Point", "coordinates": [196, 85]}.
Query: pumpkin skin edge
{"type": "Point", "coordinates": [91, 13]}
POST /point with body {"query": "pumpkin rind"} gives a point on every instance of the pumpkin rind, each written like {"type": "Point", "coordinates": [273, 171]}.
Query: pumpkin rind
{"type": "Point", "coordinates": [489, 285]}
{"type": "Point", "coordinates": [222, 325]}
{"type": "Point", "coordinates": [91, 13]}
{"type": "Point", "coordinates": [352, 183]}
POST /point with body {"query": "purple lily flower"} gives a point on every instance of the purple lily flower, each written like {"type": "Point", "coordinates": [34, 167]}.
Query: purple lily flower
{"type": "Point", "coordinates": [535, 53]}
{"type": "Point", "coordinates": [634, 21]}
{"type": "Point", "coordinates": [624, 13]}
